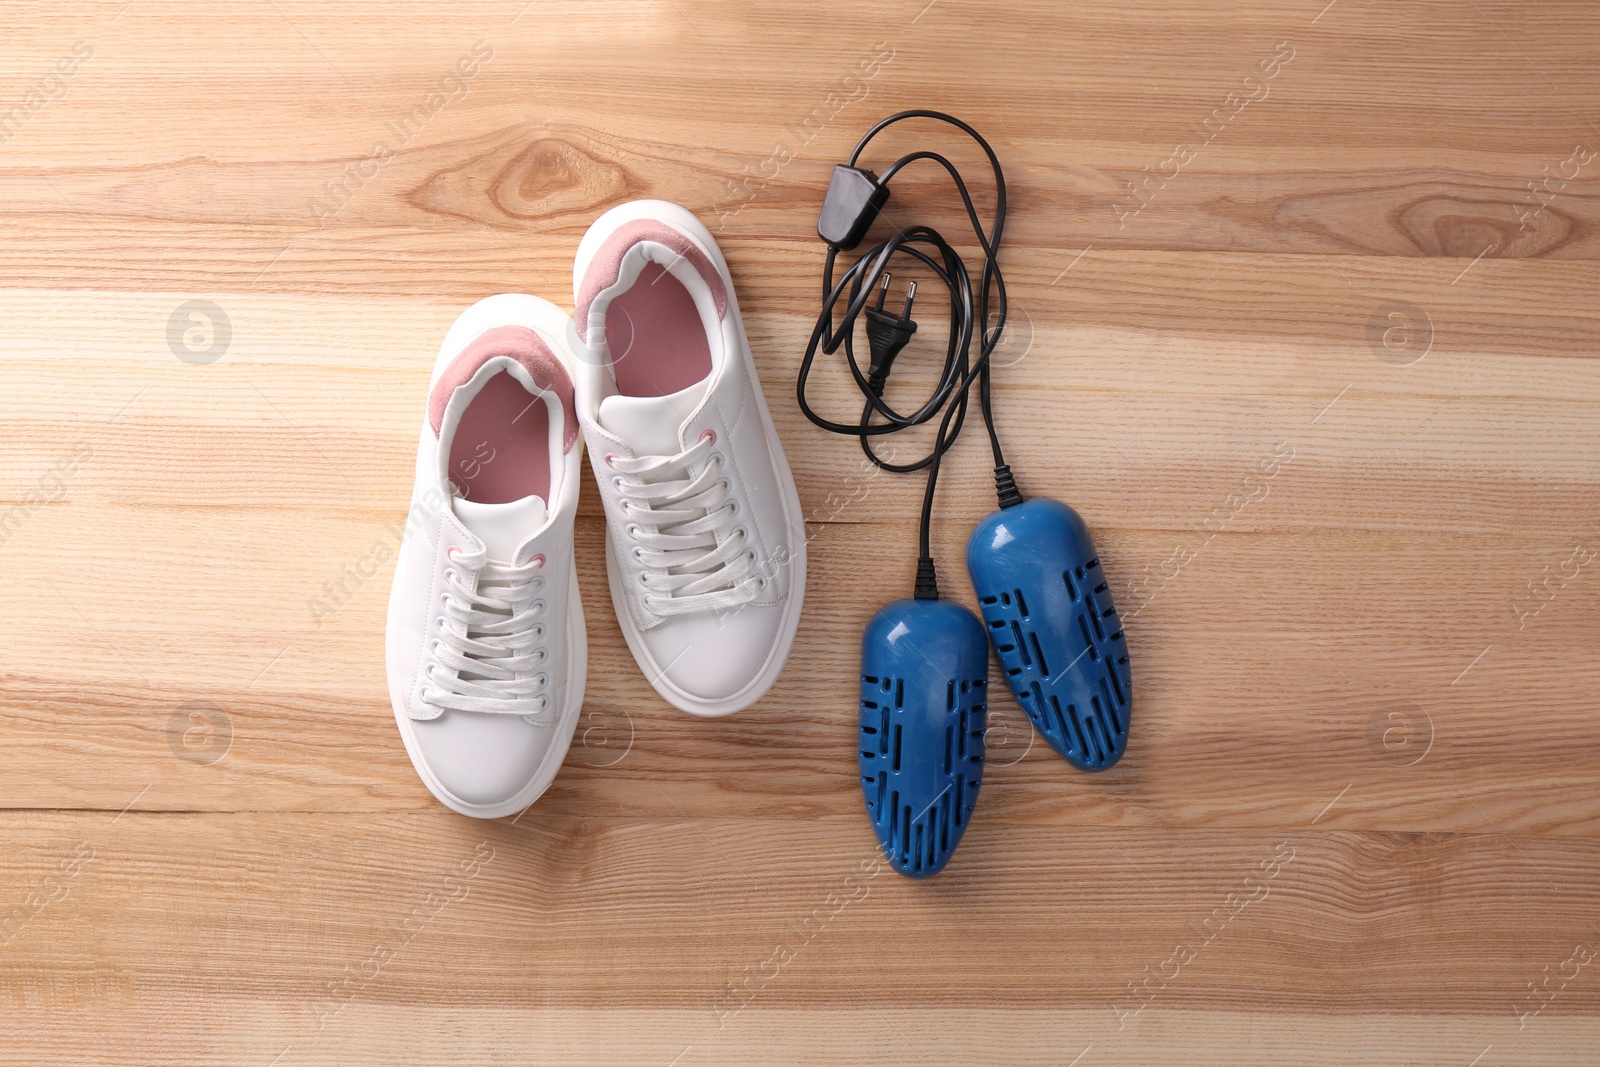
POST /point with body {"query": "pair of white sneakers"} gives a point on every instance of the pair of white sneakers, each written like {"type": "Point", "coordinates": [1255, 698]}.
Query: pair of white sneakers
{"type": "Point", "coordinates": [705, 543]}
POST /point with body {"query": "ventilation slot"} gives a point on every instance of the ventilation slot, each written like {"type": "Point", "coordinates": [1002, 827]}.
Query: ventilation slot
{"type": "Point", "coordinates": [1038, 653]}
{"type": "Point", "coordinates": [1110, 706]}
{"type": "Point", "coordinates": [1077, 730]}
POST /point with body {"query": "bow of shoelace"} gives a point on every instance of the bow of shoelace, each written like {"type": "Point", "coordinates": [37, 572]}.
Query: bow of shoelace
{"type": "Point", "coordinates": [682, 522]}
{"type": "Point", "coordinates": [489, 647]}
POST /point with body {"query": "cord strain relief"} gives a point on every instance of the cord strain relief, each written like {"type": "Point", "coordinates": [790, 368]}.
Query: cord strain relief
{"type": "Point", "coordinates": [1006, 487]}
{"type": "Point", "coordinates": [927, 580]}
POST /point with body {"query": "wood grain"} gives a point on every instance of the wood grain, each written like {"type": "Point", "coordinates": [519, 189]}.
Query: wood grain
{"type": "Point", "coordinates": [1381, 663]}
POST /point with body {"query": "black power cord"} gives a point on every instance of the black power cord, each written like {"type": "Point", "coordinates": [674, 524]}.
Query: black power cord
{"type": "Point", "coordinates": [855, 197]}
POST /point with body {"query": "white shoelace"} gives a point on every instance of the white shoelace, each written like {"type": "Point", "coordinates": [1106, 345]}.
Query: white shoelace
{"type": "Point", "coordinates": [695, 558]}
{"type": "Point", "coordinates": [490, 639]}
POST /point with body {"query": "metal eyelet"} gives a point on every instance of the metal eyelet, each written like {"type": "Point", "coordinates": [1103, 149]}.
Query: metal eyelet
{"type": "Point", "coordinates": [610, 456]}
{"type": "Point", "coordinates": [538, 559]}
{"type": "Point", "coordinates": [542, 702]}
{"type": "Point", "coordinates": [708, 434]}
{"type": "Point", "coordinates": [616, 483]}
{"type": "Point", "coordinates": [632, 531]}
{"type": "Point", "coordinates": [733, 502]}
{"type": "Point", "coordinates": [636, 554]}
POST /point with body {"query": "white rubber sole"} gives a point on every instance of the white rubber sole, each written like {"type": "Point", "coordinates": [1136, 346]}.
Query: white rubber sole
{"type": "Point", "coordinates": [552, 322]}
{"type": "Point", "coordinates": [794, 520]}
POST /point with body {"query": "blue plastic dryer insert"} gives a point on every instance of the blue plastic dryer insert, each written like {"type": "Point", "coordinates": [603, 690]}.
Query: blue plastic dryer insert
{"type": "Point", "coordinates": [1048, 610]}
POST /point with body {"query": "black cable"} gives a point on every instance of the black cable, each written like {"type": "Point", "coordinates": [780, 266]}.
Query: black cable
{"type": "Point", "coordinates": [970, 310]}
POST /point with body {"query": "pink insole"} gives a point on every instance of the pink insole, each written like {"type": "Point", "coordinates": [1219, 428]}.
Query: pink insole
{"type": "Point", "coordinates": [657, 340]}
{"type": "Point", "coordinates": [501, 448]}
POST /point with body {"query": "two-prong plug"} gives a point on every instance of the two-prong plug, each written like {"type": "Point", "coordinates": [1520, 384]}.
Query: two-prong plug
{"type": "Point", "coordinates": [887, 334]}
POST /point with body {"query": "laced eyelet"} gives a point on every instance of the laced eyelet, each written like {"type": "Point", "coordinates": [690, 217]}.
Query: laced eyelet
{"type": "Point", "coordinates": [544, 657]}
{"type": "Point", "coordinates": [616, 483]}
{"type": "Point", "coordinates": [538, 631]}
{"type": "Point", "coordinates": [610, 456]}
{"type": "Point", "coordinates": [761, 581]}
{"type": "Point", "coordinates": [741, 531]}
{"type": "Point", "coordinates": [644, 579]}
{"type": "Point", "coordinates": [543, 679]}
{"type": "Point", "coordinates": [636, 553]}
{"type": "Point", "coordinates": [541, 702]}
{"type": "Point", "coordinates": [633, 530]}
{"type": "Point", "coordinates": [733, 502]}
{"type": "Point", "coordinates": [453, 551]}
{"type": "Point", "coordinates": [708, 435]}
{"type": "Point", "coordinates": [717, 457]}
{"type": "Point", "coordinates": [538, 560]}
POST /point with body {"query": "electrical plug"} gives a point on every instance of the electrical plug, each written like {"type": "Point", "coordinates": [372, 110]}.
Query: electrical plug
{"type": "Point", "coordinates": [887, 334]}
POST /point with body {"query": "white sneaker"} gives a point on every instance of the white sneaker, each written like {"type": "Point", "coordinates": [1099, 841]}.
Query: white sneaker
{"type": "Point", "coordinates": [705, 541]}
{"type": "Point", "coordinates": [485, 645]}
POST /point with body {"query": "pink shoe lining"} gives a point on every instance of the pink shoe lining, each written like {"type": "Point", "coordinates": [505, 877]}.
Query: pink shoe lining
{"type": "Point", "coordinates": [656, 337]}
{"type": "Point", "coordinates": [606, 266]}
{"type": "Point", "coordinates": [500, 451]}
{"type": "Point", "coordinates": [524, 346]}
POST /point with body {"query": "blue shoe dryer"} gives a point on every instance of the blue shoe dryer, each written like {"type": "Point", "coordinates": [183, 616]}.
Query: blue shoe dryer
{"type": "Point", "coordinates": [924, 689]}
{"type": "Point", "coordinates": [1048, 611]}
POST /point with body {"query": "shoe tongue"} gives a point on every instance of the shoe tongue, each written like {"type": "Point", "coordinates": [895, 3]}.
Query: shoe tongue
{"type": "Point", "coordinates": [650, 424]}
{"type": "Point", "coordinates": [502, 527]}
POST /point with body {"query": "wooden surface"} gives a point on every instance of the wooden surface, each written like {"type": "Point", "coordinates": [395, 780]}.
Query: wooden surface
{"type": "Point", "coordinates": [1359, 820]}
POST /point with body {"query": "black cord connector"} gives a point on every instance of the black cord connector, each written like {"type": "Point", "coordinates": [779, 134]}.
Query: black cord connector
{"type": "Point", "coordinates": [855, 196]}
{"type": "Point", "coordinates": [927, 587]}
{"type": "Point", "coordinates": [887, 335]}
{"type": "Point", "coordinates": [1005, 487]}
